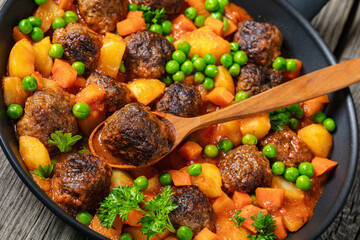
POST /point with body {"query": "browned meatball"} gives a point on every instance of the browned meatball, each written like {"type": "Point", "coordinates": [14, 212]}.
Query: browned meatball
{"type": "Point", "coordinates": [171, 6]}
{"type": "Point", "coordinates": [80, 183]}
{"type": "Point", "coordinates": [261, 41]}
{"type": "Point", "coordinates": [47, 111]}
{"type": "Point", "coordinates": [102, 15]}
{"type": "Point", "coordinates": [289, 148]}
{"type": "Point", "coordinates": [117, 94]}
{"type": "Point", "coordinates": [244, 169]}
{"type": "Point", "coordinates": [80, 44]}
{"type": "Point", "coordinates": [255, 79]}
{"type": "Point", "coordinates": [193, 211]}
{"type": "Point", "coordinates": [147, 54]}
{"type": "Point", "coordinates": [180, 99]}
{"type": "Point", "coordinates": [135, 135]}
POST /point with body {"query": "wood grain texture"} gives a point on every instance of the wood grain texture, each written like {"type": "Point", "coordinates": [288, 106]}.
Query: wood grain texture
{"type": "Point", "coordinates": [23, 217]}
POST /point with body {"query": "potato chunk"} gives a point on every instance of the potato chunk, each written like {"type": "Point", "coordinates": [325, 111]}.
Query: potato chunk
{"type": "Point", "coordinates": [318, 139]}
{"type": "Point", "coordinates": [33, 152]}
{"type": "Point", "coordinates": [48, 12]}
{"type": "Point", "coordinates": [147, 90]}
{"type": "Point", "coordinates": [43, 62]}
{"type": "Point", "coordinates": [209, 181]}
{"type": "Point", "coordinates": [224, 79]}
{"type": "Point", "coordinates": [22, 59]}
{"type": "Point", "coordinates": [13, 91]}
{"type": "Point", "coordinates": [258, 125]}
{"type": "Point", "coordinates": [120, 178]}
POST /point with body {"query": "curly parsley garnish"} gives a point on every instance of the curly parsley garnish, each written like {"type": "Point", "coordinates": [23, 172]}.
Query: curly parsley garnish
{"type": "Point", "coordinates": [264, 225]}
{"type": "Point", "coordinates": [44, 172]}
{"type": "Point", "coordinates": [238, 219]}
{"type": "Point", "coordinates": [152, 16]}
{"type": "Point", "coordinates": [63, 141]}
{"type": "Point", "coordinates": [124, 199]}
{"type": "Point", "coordinates": [83, 150]}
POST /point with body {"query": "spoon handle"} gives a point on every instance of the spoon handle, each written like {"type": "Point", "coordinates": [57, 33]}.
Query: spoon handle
{"type": "Point", "coordinates": [315, 84]}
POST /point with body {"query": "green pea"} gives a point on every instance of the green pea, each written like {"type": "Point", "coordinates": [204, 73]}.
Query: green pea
{"type": "Point", "coordinates": [15, 111]}
{"type": "Point", "coordinates": [299, 114]}
{"type": "Point", "coordinates": [221, 8]}
{"type": "Point", "coordinates": [165, 179]}
{"type": "Point", "coordinates": [25, 26]}
{"type": "Point", "coordinates": [187, 67]}
{"type": "Point", "coordinates": [224, 2]}
{"type": "Point", "coordinates": [40, 2]}
{"type": "Point", "coordinates": [279, 64]}
{"type": "Point", "coordinates": [179, 76]}
{"type": "Point", "coordinates": [142, 183]}
{"type": "Point", "coordinates": [121, 69]}
{"type": "Point", "coordinates": [167, 80]}
{"type": "Point", "coordinates": [212, 5]}
{"type": "Point", "coordinates": [226, 24]}
{"type": "Point", "coordinates": [194, 57]}
{"type": "Point", "coordinates": [318, 117]}
{"type": "Point", "coordinates": [291, 174]}
{"type": "Point", "coordinates": [240, 57]}
{"type": "Point", "coordinates": [306, 168]}
{"type": "Point", "coordinates": [269, 151]}
{"type": "Point", "coordinates": [208, 83]}
{"type": "Point", "coordinates": [172, 67]}
{"type": "Point", "coordinates": [184, 233]}
{"type": "Point", "coordinates": [303, 182]}
{"type": "Point", "coordinates": [216, 15]}
{"type": "Point", "coordinates": [211, 151]}
{"type": "Point", "coordinates": [291, 65]}
{"type": "Point", "coordinates": [170, 39]}
{"type": "Point", "coordinates": [70, 16]}
{"type": "Point", "coordinates": [56, 51]}
{"type": "Point", "coordinates": [190, 13]}
{"type": "Point", "coordinates": [179, 56]}
{"type": "Point", "coordinates": [133, 7]}
{"type": "Point", "coordinates": [58, 23]}
{"type": "Point", "coordinates": [35, 21]}
{"type": "Point", "coordinates": [84, 217]}
{"type": "Point", "coordinates": [294, 124]}
{"type": "Point", "coordinates": [184, 46]}
{"type": "Point", "coordinates": [249, 139]}
{"type": "Point", "coordinates": [241, 96]}
{"type": "Point", "coordinates": [210, 59]}
{"type": "Point", "coordinates": [79, 67]}
{"type": "Point", "coordinates": [166, 26]}
{"type": "Point", "coordinates": [226, 60]}
{"type": "Point", "coordinates": [156, 28]}
{"type": "Point", "coordinates": [199, 77]}
{"type": "Point", "coordinates": [211, 71]}
{"type": "Point", "coordinates": [294, 108]}
{"type": "Point", "coordinates": [329, 124]}
{"type": "Point", "coordinates": [199, 21]}
{"type": "Point", "coordinates": [81, 110]}
{"type": "Point", "coordinates": [282, 110]}
{"type": "Point", "coordinates": [199, 64]}
{"type": "Point", "coordinates": [225, 145]}
{"type": "Point", "coordinates": [284, 117]}
{"type": "Point", "coordinates": [29, 84]}
{"type": "Point", "coordinates": [278, 168]}
{"type": "Point", "coordinates": [234, 70]}
{"type": "Point", "coordinates": [234, 46]}
{"type": "Point", "coordinates": [195, 169]}
{"type": "Point", "coordinates": [37, 34]}
{"type": "Point", "coordinates": [126, 236]}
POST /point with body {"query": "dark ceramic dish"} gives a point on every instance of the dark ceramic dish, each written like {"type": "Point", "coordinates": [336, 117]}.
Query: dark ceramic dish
{"type": "Point", "coordinates": [301, 41]}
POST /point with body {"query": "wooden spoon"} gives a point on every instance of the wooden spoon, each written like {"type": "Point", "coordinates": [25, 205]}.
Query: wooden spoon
{"type": "Point", "coordinates": [306, 87]}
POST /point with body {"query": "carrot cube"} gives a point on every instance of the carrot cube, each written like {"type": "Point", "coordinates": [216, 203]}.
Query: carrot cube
{"type": "Point", "coordinates": [223, 205]}
{"type": "Point", "coordinates": [135, 14]}
{"type": "Point", "coordinates": [270, 198]}
{"type": "Point", "coordinates": [280, 230]}
{"type": "Point", "coordinates": [134, 218]}
{"type": "Point", "coordinates": [314, 105]}
{"type": "Point", "coordinates": [291, 75]}
{"type": "Point", "coordinates": [206, 234]}
{"type": "Point", "coordinates": [39, 80]}
{"type": "Point", "coordinates": [64, 74]}
{"type": "Point", "coordinates": [322, 165]}
{"type": "Point", "coordinates": [91, 94]}
{"type": "Point", "coordinates": [180, 178]}
{"type": "Point", "coordinates": [220, 96]}
{"type": "Point", "coordinates": [241, 199]}
{"type": "Point", "coordinates": [130, 25]}
{"type": "Point", "coordinates": [247, 212]}
{"type": "Point", "coordinates": [190, 150]}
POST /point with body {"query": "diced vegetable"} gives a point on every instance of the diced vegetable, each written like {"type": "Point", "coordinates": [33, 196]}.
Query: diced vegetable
{"type": "Point", "coordinates": [134, 218]}
{"type": "Point", "coordinates": [135, 14]}
{"type": "Point", "coordinates": [216, 25]}
{"type": "Point", "coordinates": [220, 96]}
{"type": "Point", "coordinates": [247, 212]}
{"type": "Point", "coordinates": [224, 79]}
{"type": "Point", "coordinates": [291, 191]}
{"type": "Point", "coordinates": [190, 150]}
{"type": "Point", "coordinates": [318, 139]}
{"type": "Point", "coordinates": [147, 90]}
{"type": "Point", "coordinates": [91, 95]}
{"type": "Point", "coordinates": [38, 78]}
{"type": "Point", "coordinates": [43, 62]}
{"type": "Point", "coordinates": [112, 233]}
{"type": "Point", "coordinates": [314, 105]}
{"type": "Point", "coordinates": [48, 12]}
{"type": "Point", "coordinates": [199, 5]}
{"type": "Point", "coordinates": [232, 27]}
{"type": "Point", "coordinates": [154, 185]}
{"type": "Point", "coordinates": [130, 25]}
{"type": "Point", "coordinates": [231, 130]}
{"type": "Point", "coordinates": [33, 152]}
{"type": "Point", "coordinates": [209, 181]}
{"type": "Point", "coordinates": [18, 35]}
{"type": "Point", "coordinates": [120, 178]}
{"type": "Point", "coordinates": [181, 26]}
{"type": "Point", "coordinates": [47, 83]}
{"type": "Point", "coordinates": [241, 199]}
{"type": "Point", "coordinates": [270, 198]}
{"type": "Point", "coordinates": [280, 230]}
{"type": "Point", "coordinates": [291, 75]}
{"type": "Point", "coordinates": [65, 4]}
{"type": "Point", "coordinates": [258, 125]}
{"type": "Point", "coordinates": [296, 215]}
{"type": "Point", "coordinates": [322, 165]}
{"type": "Point", "coordinates": [63, 73]}
{"type": "Point", "coordinates": [111, 54]}
{"type": "Point", "coordinates": [180, 178]}
{"type": "Point", "coordinates": [226, 228]}
{"type": "Point", "coordinates": [80, 82]}
{"type": "Point", "coordinates": [236, 14]}
{"type": "Point", "coordinates": [13, 91]}
{"type": "Point", "coordinates": [223, 205]}
{"type": "Point", "coordinates": [88, 124]}
{"type": "Point", "coordinates": [21, 59]}
{"type": "Point", "coordinates": [206, 234]}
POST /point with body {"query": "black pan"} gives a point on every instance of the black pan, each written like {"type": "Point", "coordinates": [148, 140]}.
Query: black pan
{"type": "Point", "coordinates": [301, 41]}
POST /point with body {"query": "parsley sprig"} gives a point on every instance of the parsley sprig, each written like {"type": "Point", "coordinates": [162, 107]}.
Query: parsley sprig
{"type": "Point", "coordinates": [238, 219]}
{"type": "Point", "coordinates": [63, 141]}
{"type": "Point", "coordinates": [152, 16]}
{"type": "Point", "coordinates": [44, 172]}
{"type": "Point", "coordinates": [124, 199]}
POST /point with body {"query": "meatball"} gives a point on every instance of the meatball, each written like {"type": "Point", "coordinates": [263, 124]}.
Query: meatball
{"type": "Point", "coordinates": [135, 135]}
{"type": "Point", "coordinates": [289, 148]}
{"type": "Point", "coordinates": [255, 79]}
{"type": "Point", "coordinates": [261, 41]}
{"type": "Point", "coordinates": [147, 54]}
{"type": "Point", "coordinates": [80, 44]}
{"type": "Point", "coordinates": [102, 15]}
{"type": "Point", "coordinates": [117, 94]}
{"type": "Point", "coordinates": [193, 211]}
{"type": "Point", "coordinates": [171, 6]}
{"type": "Point", "coordinates": [244, 169]}
{"type": "Point", "coordinates": [80, 183]}
{"type": "Point", "coordinates": [180, 99]}
{"type": "Point", "coordinates": [47, 111]}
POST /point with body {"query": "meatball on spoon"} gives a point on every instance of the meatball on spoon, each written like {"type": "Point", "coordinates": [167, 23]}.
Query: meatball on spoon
{"type": "Point", "coordinates": [306, 87]}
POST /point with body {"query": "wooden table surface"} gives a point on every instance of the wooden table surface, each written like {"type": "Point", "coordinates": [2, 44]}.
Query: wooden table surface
{"type": "Point", "coordinates": [24, 217]}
